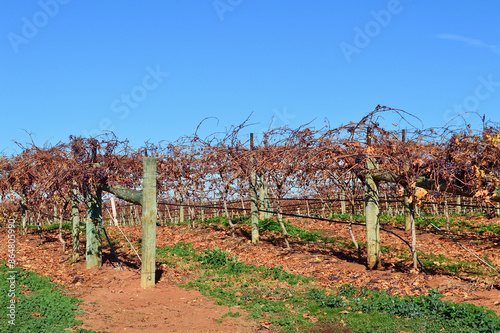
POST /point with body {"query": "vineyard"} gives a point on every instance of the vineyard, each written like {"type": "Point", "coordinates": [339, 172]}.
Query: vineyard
{"type": "Point", "coordinates": [359, 184]}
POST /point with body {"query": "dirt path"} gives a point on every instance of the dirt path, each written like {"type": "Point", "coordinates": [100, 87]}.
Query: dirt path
{"type": "Point", "coordinates": [118, 304]}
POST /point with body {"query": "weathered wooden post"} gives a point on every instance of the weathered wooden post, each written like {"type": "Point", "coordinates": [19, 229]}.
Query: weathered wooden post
{"type": "Point", "coordinates": [24, 210]}
{"type": "Point", "coordinates": [371, 200]}
{"type": "Point", "coordinates": [406, 201]}
{"type": "Point", "coordinates": [253, 198]}
{"type": "Point", "coordinates": [181, 206]}
{"type": "Point", "coordinates": [458, 209]}
{"type": "Point", "coordinates": [372, 219]}
{"type": "Point", "coordinates": [406, 209]}
{"type": "Point", "coordinates": [75, 216]}
{"type": "Point", "coordinates": [94, 227]}
{"type": "Point", "coordinates": [446, 214]}
{"type": "Point", "coordinates": [148, 267]}
{"type": "Point", "coordinates": [131, 215]}
{"type": "Point", "coordinates": [202, 209]}
{"type": "Point", "coordinates": [265, 202]}
{"type": "Point", "coordinates": [215, 212]}
{"type": "Point", "coordinates": [342, 201]}
{"type": "Point", "coordinates": [413, 237]}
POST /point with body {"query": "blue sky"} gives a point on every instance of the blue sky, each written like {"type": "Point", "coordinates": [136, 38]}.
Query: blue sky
{"type": "Point", "coordinates": [153, 70]}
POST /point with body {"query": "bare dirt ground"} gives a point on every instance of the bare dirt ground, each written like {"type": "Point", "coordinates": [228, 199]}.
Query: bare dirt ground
{"type": "Point", "coordinates": [115, 302]}
{"type": "Point", "coordinates": [118, 304]}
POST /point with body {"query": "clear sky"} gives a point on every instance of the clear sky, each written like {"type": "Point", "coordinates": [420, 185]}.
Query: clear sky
{"type": "Point", "coordinates": [152, 70]}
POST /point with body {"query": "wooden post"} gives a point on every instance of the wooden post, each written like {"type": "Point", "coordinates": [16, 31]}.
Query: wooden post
{"type": "Point", "coordinates": [181, 207]}
{"type": "Point", "coordinates": [372, 219]}
{"type": "Point", "coordinates": [391, 210]}
{"type": "Point", "coordinates": [342, 201]}
{"type": "Point", "coordinates": [413, 239]}
{"type": "Point", "coordinates": [148, 223]}
{"type": "Point", "coordinates": [131, 215]}
{"type": "Point", "coordinates": [216, 214]}
{"type": "Point", "coordinates": [191, 212]}
{"type": "Point", "coordinates": [446, 214]}
{"type": "Point", "coordinates": [458, 208]}
{"type": "Point", "coordinates": [94, 227]}
{"type": "Point", "coordinates": [202, 209]}
{"type": "Point", "coordinates": [253, 198]}
{"type": "Point", "coordinates": [244, 211]}
{"type": "Point", "coordinates": [24, 218]}
{"type": "Point", "coordinates": [75, 216]}
{"type": "Point", "coordinates": [407, 214]}
{"type": "Point", "coordinates": [161, 221]}
{"type": "Point", "coordinates": [406, 201]}
{"type": "Point", "coordinates": [371, 200]}
{"type": "Point", "coordinates": [262, 197]}
{"type": "Point", "coordinates": [265, 202]}
{"type": "Point", "coordinates": [136, 213]}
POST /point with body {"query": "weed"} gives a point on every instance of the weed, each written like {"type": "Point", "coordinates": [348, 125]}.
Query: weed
{"type": "Point", "coordinates": [215, 258]}
{"type": "Point", "coordinates": [293, 231]}
{"type": "Point", "coordinates": [346, 217]}
{"type": "Point", "coordinates": [52, 226]}
{"type": "Point", "coordinates": [231, 314]}
{"type": "Point", "coordinates": [386, 248]}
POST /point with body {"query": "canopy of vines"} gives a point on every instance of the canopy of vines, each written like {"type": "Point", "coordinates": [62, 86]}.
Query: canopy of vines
{"type": "Point", "coordinates": [292, 161]}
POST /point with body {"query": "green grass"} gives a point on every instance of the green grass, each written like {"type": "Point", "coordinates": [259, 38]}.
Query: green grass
{"type": "Point", "coordinates": [274, 226]}
{"type": "Point", "coordinates": [456, 225]}
{"type": "Point", "coordinates": [65, 226]}
{"type": "Point", "coordinates": [294, 303]}
{"type": "Point", "coordinates": [40, 306]}
{"type": "Point", "coordinates": [443, 265]}
{"type": "Point", "coordinates": [293, 231]}
{"type": "Point", "coordinates": [346, 217]}
{"type": "Point", "coordinates": [419, 313]}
